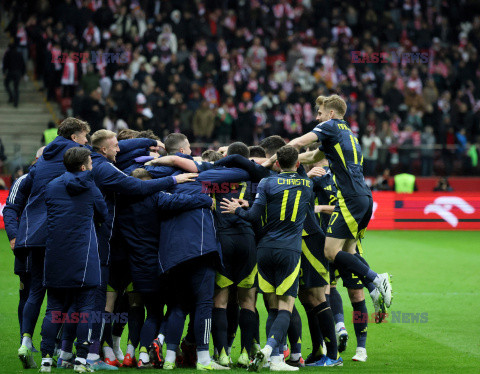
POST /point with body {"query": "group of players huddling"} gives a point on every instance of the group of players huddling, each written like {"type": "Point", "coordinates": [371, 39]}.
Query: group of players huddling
{"type": "Point", "coordinates": [108, 227]}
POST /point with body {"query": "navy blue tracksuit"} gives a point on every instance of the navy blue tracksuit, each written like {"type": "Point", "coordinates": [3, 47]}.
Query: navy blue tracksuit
{"type": "Point", "coordinates": [188, 245]}
{"type": "Point", "coordinates": [75, 206]}
{"type": "Point", "coordinates": [139, 221]}
{"type": "Point", "coordinates": [112, 181]}
{"type": "Point", "coordinates": [16, 201]}
{"type": "Point", "coordinates": [32, 229]}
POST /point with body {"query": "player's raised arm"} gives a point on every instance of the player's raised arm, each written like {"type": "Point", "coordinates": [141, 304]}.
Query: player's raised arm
{"type": "Point", "coordinates": [304, 140]}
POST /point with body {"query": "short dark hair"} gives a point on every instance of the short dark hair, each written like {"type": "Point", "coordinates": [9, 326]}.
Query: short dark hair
{"type": "Point", "coordinates": [173, 142]}
{"type": "Point", "coordinates": [287, 157]}
{"type": "Point", "coordinates": [127, 134]}
{"type": "Point", "coordinates": [238, 148]}
{"type": "Point", "coordinates": [149, 134]}
{"type": "Point", "coordinates": [211, 156]}
{"type": "Point", "coordinates": [272, 144]}
{"type": "Point", "coordinates": [75, 157]}
{"type": "Point", "coordinates": [141, 173]}
{"type": "Point", "coordinates": [70, 126]}
{"type": "Point", "coordinates": [257, 151]}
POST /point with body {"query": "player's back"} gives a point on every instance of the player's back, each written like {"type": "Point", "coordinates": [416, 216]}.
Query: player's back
{"type": "Point", "coordinates": [344, 153]}
{"type": "Point", "coordinates": [288, 197]}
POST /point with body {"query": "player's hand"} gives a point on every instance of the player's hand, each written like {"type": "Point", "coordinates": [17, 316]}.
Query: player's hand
{"type": "Point", "coordinates": [318, 208]}
{"type": "Point", "coordinates": [12, 244]}
{"type": "Point", "coordinates": [160, 144]}
{"type": "Point", "coordinates": [186, 177]}
{"type": "Point", "coordinates": [317, 171]}
{"type": "Point", "coordinates": [229, 206]}
{"type": "Point", "coordinates": [154, 154]}
{"type": "Point", "coordinates": [156, 161]}
{"type": "Point", "coordinates": [243, 203]}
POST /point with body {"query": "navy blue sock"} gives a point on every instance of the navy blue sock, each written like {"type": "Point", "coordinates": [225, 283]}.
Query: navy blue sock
{"type": "Point", "coordinates": [368, 284]}
{"type": "Point", "coordinates": [190, 337]}
{"type": "Point", "coordinates": [257, 327]}
{"type": "Point", "coordinates": [349, 262]}
{"type": "Point", "coordinates": [219, 329]}
{"type": "Point", "coordinates": [315, 333]}
{"type": "Point", "coordinates": [360, 324]}
{"type": "Point", "coordinates": [136, 317]}
{"type": "Point", "coordinates": [295, 332]}
{"type": "Point", "coordinates": [279, 328]}
{"type": "Point", "coordinates": [107, 331]}
{"type": "Point", "coordinates": [233, 318]}
{"type": "Point", "coordinates": [272, 315]}
{"type": "Point", "coordinates": [248, 324]}
{"type": "Point", "coordinates": [336, 305]}
{"type": "Point", "coordinates": [327, 326]}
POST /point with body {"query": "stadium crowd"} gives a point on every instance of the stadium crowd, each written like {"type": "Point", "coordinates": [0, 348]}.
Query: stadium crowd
{"type": "Point", "coordinates": [245, 70]}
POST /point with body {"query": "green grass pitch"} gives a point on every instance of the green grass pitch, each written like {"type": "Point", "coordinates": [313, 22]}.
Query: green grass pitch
{"type": "Point", "coordinates": [434, 272]}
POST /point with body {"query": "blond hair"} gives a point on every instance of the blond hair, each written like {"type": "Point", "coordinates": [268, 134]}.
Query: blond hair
{"type": "Point", "coordinates": [99, 137]}
{"type": "Point", "coordinates": [335, 103]}
{"type": "Point", "coordinates": [320, 100]}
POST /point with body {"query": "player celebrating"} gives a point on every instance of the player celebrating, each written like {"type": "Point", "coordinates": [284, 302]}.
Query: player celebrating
{"type": "Point", "coordinates": [354, 206]}
{"type": "Point", "coordinates": [282, 202]}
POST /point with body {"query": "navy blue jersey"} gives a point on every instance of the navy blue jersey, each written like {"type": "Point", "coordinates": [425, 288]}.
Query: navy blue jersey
{"type": "Point", "coordinates": [283, 201]}
{"type": "Point", "coordinates": [325, 194]}
{"type": "Point", "coordinates": [344, 153]}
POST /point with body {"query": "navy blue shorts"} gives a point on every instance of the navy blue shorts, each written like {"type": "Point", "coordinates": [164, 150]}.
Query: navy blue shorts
{"type": "Point", "coordinates": [239, 254]}
{"type": "Point", "coordinates": [314, 267]}
{"type": "Point", "coordinates": [278, 271]}
{"type": "Point", "coordinates": [350, 217]}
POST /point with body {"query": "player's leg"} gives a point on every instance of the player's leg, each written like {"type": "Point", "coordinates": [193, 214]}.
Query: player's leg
{"type": "Point", "coordinates": [24, 289]}
{"type": "Point", "coordinates": [107, 346]}
{"type": "Point", "coordinates": [348, 223]}
{"type": "Point", "coordinates": [154, 306]}
{"type": "Point", "coordinates": [121, 306]}
{"type": "Point", "coordinates": [377, 298]}
{"type": "Point", "coordinates": [336, 304]}
{"type": "Point", "coordinates": [68, 334]}
{"type": "Point", "coordinates": [54, 316]}
{"type": "Point", "coordinates": [32, 307]}
{"type": "Point", "coordinates": [245, 273]}
{"type": "Point", "coordinates": [247, 322]}
{"type": "Point", "coordinates": [84, 303]}
{"type": "Point", "coordinates": [136, 318]}
{"type": "Point", "coordinates": [97, 323]}
{"type": "Point", "coordinates": [220, 323]}
{"type": "Point", "coordinates": [202, 284]}
{"type": "Point", "coordinates": [279, 271]}
{"type": "Point", "coordinates": [360, 322]}
{"type": "Point", "coordinates": [233, 315]}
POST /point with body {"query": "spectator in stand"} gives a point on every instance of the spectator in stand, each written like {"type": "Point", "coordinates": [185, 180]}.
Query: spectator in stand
{"type": "Point", "coordinates": [427, 151]}
{"type": "Point", "coordinates": [203, 123]}
{"type": "Point", "coordinates": [13, 69]}
{"type": "Point", "coordinates": [370, 145]}
{"type": "Point", "coordinates": [228, 51]}
{"type": "Point", "coordinates": [443, 185]}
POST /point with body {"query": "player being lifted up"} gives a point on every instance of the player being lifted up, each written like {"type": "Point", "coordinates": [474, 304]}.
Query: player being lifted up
{"type": "Point", "coordinates": [282, 201]}
{"type": "Point", "coordinates": [353, 209]}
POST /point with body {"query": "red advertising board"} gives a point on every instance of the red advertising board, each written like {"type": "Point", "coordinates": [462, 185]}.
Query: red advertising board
{"type": "Point", "coordinates": [426, 211]}
{"type": "Point", "coordinates": [417, 211]}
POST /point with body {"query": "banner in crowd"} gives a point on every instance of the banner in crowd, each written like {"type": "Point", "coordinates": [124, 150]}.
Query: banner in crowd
{"type": "Point", "coordinates": [426, 211]}
{"type": "Point", "coordinates": [417, 211]}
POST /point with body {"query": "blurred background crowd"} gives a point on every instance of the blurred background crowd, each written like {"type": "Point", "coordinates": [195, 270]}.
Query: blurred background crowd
{"type": "Point", "coordinates": [223, 70]}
